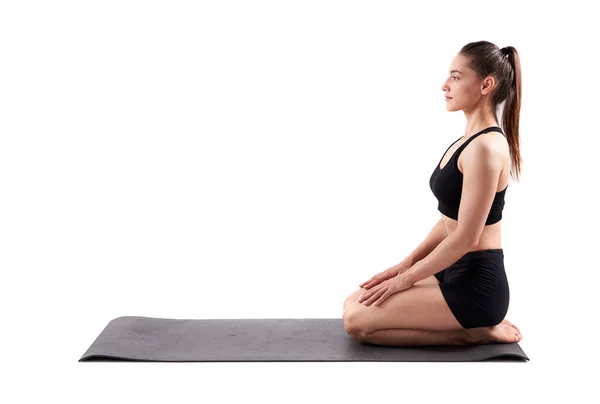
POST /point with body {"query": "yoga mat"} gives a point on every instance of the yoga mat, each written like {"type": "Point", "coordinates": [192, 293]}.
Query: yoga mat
{"type": "Point", "coordinates": [152, 339]}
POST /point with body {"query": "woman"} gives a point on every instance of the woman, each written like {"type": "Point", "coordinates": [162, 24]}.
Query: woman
{"type": "Point", "coordinates": [452, 289]}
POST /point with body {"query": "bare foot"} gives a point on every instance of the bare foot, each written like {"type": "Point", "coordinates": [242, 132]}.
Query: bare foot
{"type": "Point", "coordinates": [505, 333]}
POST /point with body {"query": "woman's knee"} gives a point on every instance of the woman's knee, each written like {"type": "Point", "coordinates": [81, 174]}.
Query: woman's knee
{"type": "Point", "coordinates": [354, 295]}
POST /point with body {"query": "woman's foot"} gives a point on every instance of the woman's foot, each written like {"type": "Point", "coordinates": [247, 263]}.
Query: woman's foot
{"type": "Point", "coordinates": [505, 332]}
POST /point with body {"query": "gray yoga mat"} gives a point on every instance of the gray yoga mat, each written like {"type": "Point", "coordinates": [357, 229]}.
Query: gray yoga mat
{"type": "Point", "coordinates": [241, 340]}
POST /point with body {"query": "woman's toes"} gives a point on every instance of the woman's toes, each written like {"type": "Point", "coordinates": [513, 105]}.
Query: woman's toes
{"type": "Point", "coordinates": [512, 325]}
{"type": "Point", "coordinates": [504, 332]}
{"type": "Point", "coordinates": [517, 332]}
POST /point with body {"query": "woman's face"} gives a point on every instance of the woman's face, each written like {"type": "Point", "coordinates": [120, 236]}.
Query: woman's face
{"type": "Point", "coordinates": [462, 86]}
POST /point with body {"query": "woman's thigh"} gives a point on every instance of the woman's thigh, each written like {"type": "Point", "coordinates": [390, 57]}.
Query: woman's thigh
{"type": "Point", "coordinates": [421, 307]}
{"type": "Point", "coordinates": [430, 280]}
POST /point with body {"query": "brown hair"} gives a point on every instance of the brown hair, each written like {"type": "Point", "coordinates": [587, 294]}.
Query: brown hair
{"type": "Point", "coordinates": [486, 59]}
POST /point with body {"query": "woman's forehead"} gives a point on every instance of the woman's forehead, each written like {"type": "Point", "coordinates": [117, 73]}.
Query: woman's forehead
{"type": "Point", "coordinates": [459, 65]}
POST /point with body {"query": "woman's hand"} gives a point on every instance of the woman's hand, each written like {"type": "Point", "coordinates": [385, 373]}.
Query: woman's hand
{"type": "Point", "coordinates": [387, 274]}
{"type": "Point", "coordinates": [384, 290]}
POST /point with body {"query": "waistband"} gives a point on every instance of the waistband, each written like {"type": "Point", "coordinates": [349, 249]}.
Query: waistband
{"type": "Point", "coordinates": [494, 252]}
{"type": "Point", "coordinates": [487, 250]}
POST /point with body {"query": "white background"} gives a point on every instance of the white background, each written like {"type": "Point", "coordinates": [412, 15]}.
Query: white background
{"type": "Point", "coordinates": [261, 159]}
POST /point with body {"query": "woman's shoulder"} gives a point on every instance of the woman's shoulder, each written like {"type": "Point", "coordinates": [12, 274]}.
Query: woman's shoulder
{"type": "Point", "coordinates": [492, 145]}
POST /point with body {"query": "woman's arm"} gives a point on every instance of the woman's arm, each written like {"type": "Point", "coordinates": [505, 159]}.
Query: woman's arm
{"type": "Point", "coordinates": [435, 237]}
{"type": "Point", "coordinates": [449, 251]}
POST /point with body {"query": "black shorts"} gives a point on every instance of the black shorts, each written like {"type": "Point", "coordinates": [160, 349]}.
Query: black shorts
{"type": "Point", "coordinates": [476, 288]}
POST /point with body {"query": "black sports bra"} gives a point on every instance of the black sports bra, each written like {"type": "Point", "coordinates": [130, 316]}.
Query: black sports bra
{"type": "Point", "coordinates": [446, 184]}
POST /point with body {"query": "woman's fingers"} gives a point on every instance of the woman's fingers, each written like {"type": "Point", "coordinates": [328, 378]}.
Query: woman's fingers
{"type": "Point", "coordinates": [365, 296]}
{"type": "Point", "coordinates": [374, 296]}
{"type": "Point", "coordinates": [368, 283]}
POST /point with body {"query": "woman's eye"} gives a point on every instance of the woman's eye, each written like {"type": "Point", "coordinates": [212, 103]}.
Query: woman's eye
{"type": "Point", "coordinates": [454, 77]}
